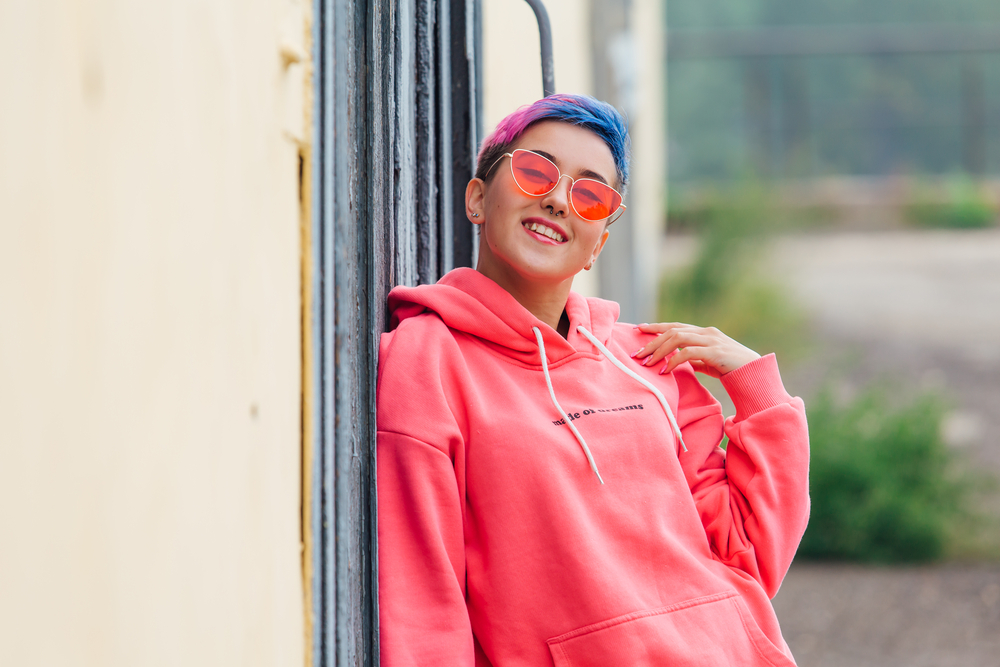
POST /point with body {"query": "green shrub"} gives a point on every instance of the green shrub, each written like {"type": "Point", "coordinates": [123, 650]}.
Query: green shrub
{"type": "Point", "coordinates": [882, 482]}
{"type": "Point", "coordinates": [964, 207]}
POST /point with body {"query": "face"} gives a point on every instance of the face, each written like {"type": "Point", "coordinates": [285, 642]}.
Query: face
{"type": "Point", "coordinates": [540, 240]}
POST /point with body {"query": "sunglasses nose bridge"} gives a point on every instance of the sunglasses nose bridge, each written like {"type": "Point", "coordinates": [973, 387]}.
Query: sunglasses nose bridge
{"type": "Point", "coordinates": [558, 184]}
{"type": "Point", "coordinates": [558, 197]}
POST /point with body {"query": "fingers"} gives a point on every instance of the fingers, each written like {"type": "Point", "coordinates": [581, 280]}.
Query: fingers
{"type": "Point", "coordinates": [664, 330]}
{"type": "Point", "coordinates": [696, 356]}
{"type": "Point", "coordinates": [669, 342]}
{"type": "Point", "coordinates": [673, 335]}
{"type": "Point", "coordinates": [707, 349]}
{"type": "Point", "coordinates": [660, 327]}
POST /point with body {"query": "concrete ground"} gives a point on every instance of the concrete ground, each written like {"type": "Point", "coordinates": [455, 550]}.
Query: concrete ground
{"type": "Point", "coordinates": [852, 616]}
{"type": "Point", "coordinates": [920, 309]}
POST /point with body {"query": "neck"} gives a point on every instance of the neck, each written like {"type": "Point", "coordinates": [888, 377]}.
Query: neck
{"type": "Point", "coordinates": [545, 301]}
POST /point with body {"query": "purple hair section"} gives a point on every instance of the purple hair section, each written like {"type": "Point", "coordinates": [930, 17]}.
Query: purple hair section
{"type": "Point", "coordinates": [598, 117]}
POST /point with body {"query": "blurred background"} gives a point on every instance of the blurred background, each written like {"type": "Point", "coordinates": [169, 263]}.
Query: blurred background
{"type": "Point", "coordinates": [834, 180]}
{"type": "Point", "coordinates": [819, 180]}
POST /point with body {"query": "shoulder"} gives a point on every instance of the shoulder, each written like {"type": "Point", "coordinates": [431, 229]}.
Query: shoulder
{"type": "Point", "coordinates": [419, 336]}
{"type": "Point", "coordinates": [421, 354]}
{"type": "Point", "coordinates": [418, 383]}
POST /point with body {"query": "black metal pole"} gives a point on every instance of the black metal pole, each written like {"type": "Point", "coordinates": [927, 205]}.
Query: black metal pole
{"type": "Point", "coordinates": [545, 42]}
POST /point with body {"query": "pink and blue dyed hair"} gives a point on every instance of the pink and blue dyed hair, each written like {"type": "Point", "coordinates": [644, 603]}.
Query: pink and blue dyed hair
{"type": "Point", "coordinates": [599, 117]}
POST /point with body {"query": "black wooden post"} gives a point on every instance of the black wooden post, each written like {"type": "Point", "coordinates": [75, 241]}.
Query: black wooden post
{"type": "Point", "coordinates": [397, 108]}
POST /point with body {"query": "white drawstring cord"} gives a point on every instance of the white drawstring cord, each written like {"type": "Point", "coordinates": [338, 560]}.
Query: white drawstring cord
{"type": "Point", "coordinates": [635, 376]}
{"type": "Point", "coordinates": [552, 395]}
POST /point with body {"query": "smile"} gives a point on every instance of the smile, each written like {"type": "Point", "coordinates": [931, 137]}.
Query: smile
{"type": "Point", "coordinates": [544, 230]}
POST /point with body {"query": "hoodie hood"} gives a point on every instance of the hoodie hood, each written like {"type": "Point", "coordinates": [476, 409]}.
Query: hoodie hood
{"type": "Point", "coordinates": [469, 302]}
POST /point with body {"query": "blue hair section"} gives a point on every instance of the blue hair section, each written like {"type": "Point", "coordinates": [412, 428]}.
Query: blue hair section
{"type": "Point", "coordinates": [582, 110]}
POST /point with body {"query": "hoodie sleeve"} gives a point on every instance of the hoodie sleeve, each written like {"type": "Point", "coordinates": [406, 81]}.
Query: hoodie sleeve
{"type": "Point", "coordinates": [423, 616]}
{"type": "Point", "coordinates": [753, 498]}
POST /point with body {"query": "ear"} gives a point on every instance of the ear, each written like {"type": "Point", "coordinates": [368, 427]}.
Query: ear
{"type": "Point", "coordinates": [600, 246]}
{"type": "Point", "coordinates": [475, 201]}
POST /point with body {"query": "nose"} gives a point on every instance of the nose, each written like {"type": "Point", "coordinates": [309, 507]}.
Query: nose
{"type": "Point", "coordinates": [557, 201]}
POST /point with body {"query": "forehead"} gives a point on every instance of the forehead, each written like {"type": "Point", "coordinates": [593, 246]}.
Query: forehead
{"type": "Point", "coordinates": [574, 148]}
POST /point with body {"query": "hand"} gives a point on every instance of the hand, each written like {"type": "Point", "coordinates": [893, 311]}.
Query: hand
{"type": "Point", "coordinates": [709, 350]}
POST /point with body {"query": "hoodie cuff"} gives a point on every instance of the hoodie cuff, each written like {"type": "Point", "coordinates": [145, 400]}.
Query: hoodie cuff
{"type": "Point", "coordinates": [755, 387]}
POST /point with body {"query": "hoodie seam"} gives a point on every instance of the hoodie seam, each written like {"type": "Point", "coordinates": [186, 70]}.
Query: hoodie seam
{"type": "Point", "coordinates": [417, 440]}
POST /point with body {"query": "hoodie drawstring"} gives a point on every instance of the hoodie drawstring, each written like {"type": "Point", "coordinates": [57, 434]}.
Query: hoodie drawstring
{"type": "Point", "coordinates": [620, 366]}
{"type": "Point", "coordinates": [552, 395]}
{"type": "Point", "coordinates": [635, 376]}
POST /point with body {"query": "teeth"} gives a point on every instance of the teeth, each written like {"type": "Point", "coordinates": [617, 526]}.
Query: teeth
{"type": "Point", "coordinates": [546, 231]}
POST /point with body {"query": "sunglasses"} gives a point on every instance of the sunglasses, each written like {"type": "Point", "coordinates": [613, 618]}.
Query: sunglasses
{"type": "Point", "coordinates": [537, 176]}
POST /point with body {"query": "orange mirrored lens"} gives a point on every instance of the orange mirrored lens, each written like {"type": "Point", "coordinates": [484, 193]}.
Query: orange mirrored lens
{"type": "Point", "coordinates": [594, 200]}
{"type": "Point", "coordinates": [533, 173]}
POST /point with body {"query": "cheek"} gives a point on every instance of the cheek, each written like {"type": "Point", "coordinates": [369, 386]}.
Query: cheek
{"type": "Point", "coordinates": [593, 237]}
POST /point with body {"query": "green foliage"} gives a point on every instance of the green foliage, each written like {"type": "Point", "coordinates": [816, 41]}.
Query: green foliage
{"type": "Point", "coordinates": [963, 207]}
{"type": "Point", "coordinates": [882, 482]}
{"type": "Point", "coordinates": [722, 287]}
{"type": "Point", "coordinates": [884, 486]}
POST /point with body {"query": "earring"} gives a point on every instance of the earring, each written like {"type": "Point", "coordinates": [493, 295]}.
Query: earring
{"type": "Point", "coordinates": [475, 215]}
{"type": "Point", "coordinates": [589, 266]}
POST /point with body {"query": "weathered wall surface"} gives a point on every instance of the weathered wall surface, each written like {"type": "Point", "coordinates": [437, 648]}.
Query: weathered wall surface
{"type": "Point", "coordinates": [150, 332]}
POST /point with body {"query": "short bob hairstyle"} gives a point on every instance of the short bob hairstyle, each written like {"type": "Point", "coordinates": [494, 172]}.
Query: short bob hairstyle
{"type": "Point", "coordinates": [599, 117]}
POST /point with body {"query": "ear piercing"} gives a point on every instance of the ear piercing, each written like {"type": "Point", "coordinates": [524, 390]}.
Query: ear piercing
{"type": "Point", "coordinates": [475, 215]}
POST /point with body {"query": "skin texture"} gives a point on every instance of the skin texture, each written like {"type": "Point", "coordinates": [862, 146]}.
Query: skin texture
{"type": "Point", "coordinates": [538, 272]}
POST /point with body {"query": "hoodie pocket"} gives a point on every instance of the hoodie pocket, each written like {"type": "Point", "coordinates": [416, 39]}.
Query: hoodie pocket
{"type": "Point", "coordinates": [712, 630]}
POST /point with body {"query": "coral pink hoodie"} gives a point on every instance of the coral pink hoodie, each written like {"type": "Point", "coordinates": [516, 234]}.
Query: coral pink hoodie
{"type": "Point", "coordinates": [499, 545]}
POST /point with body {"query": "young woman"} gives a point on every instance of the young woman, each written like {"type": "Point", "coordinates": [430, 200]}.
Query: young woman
{"type": "Point", "coordinates": [550, 482]}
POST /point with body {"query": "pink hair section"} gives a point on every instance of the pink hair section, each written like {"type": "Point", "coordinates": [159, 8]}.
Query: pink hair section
{"type": "Point", "coordinates": [511, 127]}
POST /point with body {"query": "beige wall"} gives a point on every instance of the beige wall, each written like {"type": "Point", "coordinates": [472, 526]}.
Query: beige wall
{"type": "Point", "coordinates": [149, 333]}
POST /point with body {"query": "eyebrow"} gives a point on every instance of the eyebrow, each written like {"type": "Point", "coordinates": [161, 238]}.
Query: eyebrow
{"type": "Point", "coordinates": [584, 173]}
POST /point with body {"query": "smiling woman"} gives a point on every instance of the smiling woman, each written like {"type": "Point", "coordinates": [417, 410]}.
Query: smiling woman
{"type": "Point", "coordinates": [533, 245]}
{"type": "Point", "coordinates": [551, 486]}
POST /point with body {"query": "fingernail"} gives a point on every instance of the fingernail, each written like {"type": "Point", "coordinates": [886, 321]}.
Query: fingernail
{"type": "Point", "coordinates": [645, 362]}
{"type": "Point", "coordinates": [636, 352]}
{"type": "Point", "coordinates": [663, 370]}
